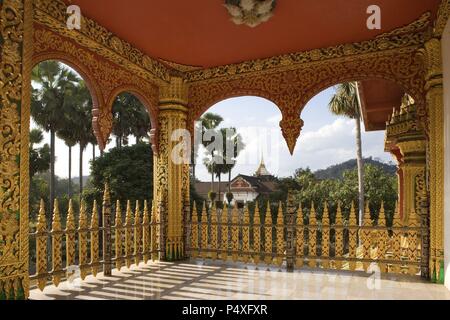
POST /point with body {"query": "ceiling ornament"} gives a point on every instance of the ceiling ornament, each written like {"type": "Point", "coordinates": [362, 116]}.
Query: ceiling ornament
{"type": "Point", "coordinates": [250, 12]}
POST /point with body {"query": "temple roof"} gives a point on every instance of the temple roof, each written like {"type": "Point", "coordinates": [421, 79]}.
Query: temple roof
{"type": "Point", "coordinates": [200, 33]}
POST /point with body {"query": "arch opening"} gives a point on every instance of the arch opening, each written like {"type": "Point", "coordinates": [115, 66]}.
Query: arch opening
{"type": "Point", "coordinates": [250, 136]}
{"type": "Point", "coordinates": [62, 105]}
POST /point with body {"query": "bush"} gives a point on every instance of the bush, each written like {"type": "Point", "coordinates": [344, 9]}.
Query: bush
{"type": "Point", "coordinates": [229, 196]}
{"type": "Point", "coordinates": [129, 172]}
{"type": "Point", "coordinates": [212, 195]}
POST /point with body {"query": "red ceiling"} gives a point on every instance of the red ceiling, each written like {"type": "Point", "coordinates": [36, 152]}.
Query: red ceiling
{"type": "Point", "coordinates": [200, 33]}
{"type": "Point", "coordinates": [378, 98]}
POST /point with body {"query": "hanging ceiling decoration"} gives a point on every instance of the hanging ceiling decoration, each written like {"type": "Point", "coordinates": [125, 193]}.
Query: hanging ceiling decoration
{"type": "Point", "coordinates": [250, 12]}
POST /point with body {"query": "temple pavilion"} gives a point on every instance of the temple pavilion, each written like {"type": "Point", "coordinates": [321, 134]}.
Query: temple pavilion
{"type": "Point", "coordinates": [181, 57]}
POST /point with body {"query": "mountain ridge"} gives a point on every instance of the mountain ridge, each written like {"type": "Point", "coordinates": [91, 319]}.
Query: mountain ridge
{"type": "Point", "coordinates": [336, 171]}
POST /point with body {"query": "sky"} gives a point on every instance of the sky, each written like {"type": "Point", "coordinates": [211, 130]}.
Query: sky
{"type": "Point", "coordinates": [325, 139]}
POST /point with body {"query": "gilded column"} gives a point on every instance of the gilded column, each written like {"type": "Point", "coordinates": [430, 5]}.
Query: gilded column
{"type": "Point", "coordinates": [432, 54]}
{"type": "Point", "coordinates": [171, 186]}
{"type": "Point", "coordinates": [16, 24]}
{"type": "Point", "coordinates": [406, 134]}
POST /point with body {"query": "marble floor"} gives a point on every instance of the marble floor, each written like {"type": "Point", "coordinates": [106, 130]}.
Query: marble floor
{"type": "Point", "coordinates": [218, 280]}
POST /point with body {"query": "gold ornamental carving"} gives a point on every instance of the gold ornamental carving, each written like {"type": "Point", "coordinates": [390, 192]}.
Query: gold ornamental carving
{"type": "Point", "coordinates": [442, 18]}
{"type": "Point", "coordinates": [104, 79]}
{"type": "Point", "coordinates": [15, 78]}
{"type": "Point", "coordinates": [292, 89]}
{"type": "Point", "coordinates": [52, 13]}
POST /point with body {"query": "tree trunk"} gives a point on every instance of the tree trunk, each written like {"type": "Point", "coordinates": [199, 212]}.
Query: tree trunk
{"type": "Point", "coordinates": [52, 169]}
{"type": "Point", "coordinates": [212, 171]}
{"type": "Point", "coordinates": [359, 160]}
{"type": "Point", "coordinates": [81, 169]}
{"type": "Point", "coordinates": [220, 179]}
{"type": "Point", "coordinates": [69, 188]}
{"type": "Point", "coordinates": [229, 181]}
{"type": "Point", "coordinates": [93, 151]}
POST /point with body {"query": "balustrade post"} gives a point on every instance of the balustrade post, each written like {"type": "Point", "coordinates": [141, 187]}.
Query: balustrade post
{"type": "Point", "coordinates": [290, 232]}
{"type": "Point", "coordinates": [137, 235]}
{"type": "Point", "coordinates": [41, 248]}
{"type": "Point", "coordinates": [94, 239]}
{"type": "Point", "coordinates": [56, 244]}
{"type": "Point", "coordinates": [107, 249]}
{"type": "Point", "coordinates": [161, 230]}
{"type": "Point", "coordinates": [187, 227]}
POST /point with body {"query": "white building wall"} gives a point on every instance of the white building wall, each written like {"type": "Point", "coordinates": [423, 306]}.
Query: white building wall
{"type": "Point", "coordinates": [446, 62]}
{"type": "Point", "coordinates": [244, 196]}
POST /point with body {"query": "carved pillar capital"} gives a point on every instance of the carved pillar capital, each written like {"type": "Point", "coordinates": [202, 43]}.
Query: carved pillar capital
{"type": "Point", "coordinates": [433, 61]}
{"type": "Point", "coordinates": [174, 93]}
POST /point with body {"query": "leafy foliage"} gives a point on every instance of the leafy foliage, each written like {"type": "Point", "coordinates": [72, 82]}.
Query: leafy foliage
{"type": "Point", "coordinates": [129, 118]}
{"type": "Point", "coordinates": [337, 171]}
{"type": "Point", "coordinates": [39, 157]}
{"type": "Point", "coordinates": [379, 185]}
{"type": "Point", "coordinates": [129, 171]}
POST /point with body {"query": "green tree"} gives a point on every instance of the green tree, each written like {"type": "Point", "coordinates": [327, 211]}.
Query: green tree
{"type": "Point", "coordinates": [54, 83]}
{"type": "Point", "coordinates": [379, 185]}
{"type": "Point", "coordinates": [68, 135]}
{"type": "Point", "coordinates": [39, 157]}
{"type": "Point", "coordinates": [129, 118]}
{"type": "Point", "coordinates": [82, 123]}
{"type": "Point", "coordinates": [129, 171]}
{"type": "Point", "coordinates": [346, 103]}
{"type": "Point", "coordinates": [209, 121]}
{"type": "Point", "coordinates": [232, 145]}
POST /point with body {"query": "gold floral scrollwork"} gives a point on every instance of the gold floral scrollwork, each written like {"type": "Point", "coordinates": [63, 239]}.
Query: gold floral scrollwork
{"type": "Point", "coordinates": [432, 55]}
{"type": "Point", "coordinates": [104, 78]}
{"type": "Point", "coordinates": [291, 127]}
{"type": "Point", "coordinates": [171, 182]}
{"type": "Point", "coordinates": [442, 18]}
{"type": "Point", "coordinates": [52, 13]}
{"type": "Point", "coordinates": [15, 64]}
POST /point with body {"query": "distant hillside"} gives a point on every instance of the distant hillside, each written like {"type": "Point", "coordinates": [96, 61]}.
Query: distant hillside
{"type": "Point", "coordinates": [336, 171]}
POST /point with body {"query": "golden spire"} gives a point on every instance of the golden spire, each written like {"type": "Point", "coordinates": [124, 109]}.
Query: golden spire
{"type": "Point", "coordinates": [262, 170]}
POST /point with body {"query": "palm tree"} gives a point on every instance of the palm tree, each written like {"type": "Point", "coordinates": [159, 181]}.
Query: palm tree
{"type": "Point", "coordinates": [219, 169]}
{"type": "Point", "coordinates": [229, 156]}
{"type": "Point", "coordinates": [129, 118]}
{"type": "Point", "coordinates": [70, 139]}
{"type": "Point", "coordinates": [346, 103]}
{"type": "Point", "coordinates": [210, 121]}
{"type": "Point", "coordinates": [54, 83]}
{"type": "Point", "coordinates": [39, 157]}
{"type": "Point", "coordinates": [83, 127]}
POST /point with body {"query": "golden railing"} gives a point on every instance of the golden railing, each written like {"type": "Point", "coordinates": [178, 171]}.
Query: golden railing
{"type": "Point", "coordinates": [290, 236]}
{"type": "Point", "coordinates": [125, 243]}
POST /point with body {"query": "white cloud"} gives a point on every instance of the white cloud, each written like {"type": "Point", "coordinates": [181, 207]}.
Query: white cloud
{"type": "Point", "coordinates": [274, 120]}
{"type": "Point", "coordinates": [330, 144]}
